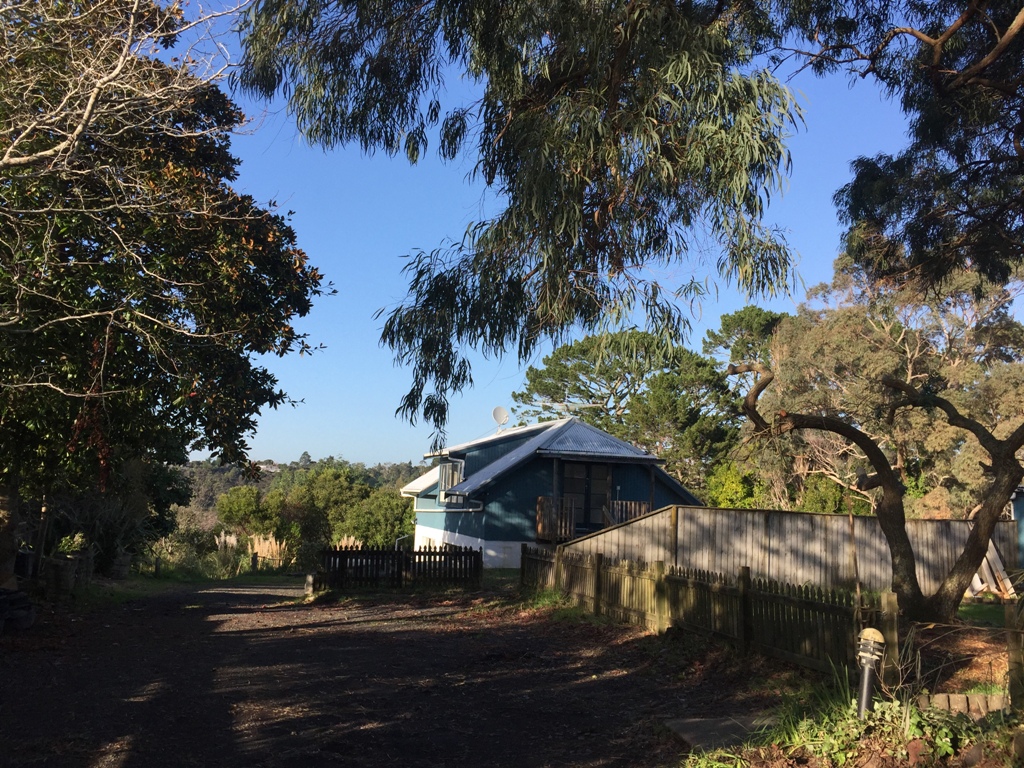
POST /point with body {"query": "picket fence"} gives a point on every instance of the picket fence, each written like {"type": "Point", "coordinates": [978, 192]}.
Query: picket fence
{"type": "Point", "coordinates": [810, 626]}
{"type": "Point", "coordinates": [354, 567]}
{"type": "Point", "coordinates": [831, 551]}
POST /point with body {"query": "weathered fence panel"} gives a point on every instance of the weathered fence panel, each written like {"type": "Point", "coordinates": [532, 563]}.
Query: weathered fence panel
{"type": "Point", "coordinates": [806, 625]}
{"type": "Point", "coordinates": [831, 551]}
{"type": "Point", "coordinates": [346, 568]}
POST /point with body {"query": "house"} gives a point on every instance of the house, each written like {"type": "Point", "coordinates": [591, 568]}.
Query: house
{"type": "Point", "coordinates": [547, 482]}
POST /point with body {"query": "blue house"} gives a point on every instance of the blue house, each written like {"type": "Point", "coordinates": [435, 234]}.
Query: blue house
{"type": "Point", "coordinates": [547, 482]}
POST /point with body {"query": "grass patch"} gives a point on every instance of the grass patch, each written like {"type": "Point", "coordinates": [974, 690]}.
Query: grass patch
{"type": "Point", "coordinates": [821, 727]}
{"type": "Point", "coordinates": [501, 579]}
{"type": "Point", "coordinates": [983, 614]}
{"type": "Point", "coordinates": [545, 598]}
{"type": "Point", "coordinates": [102, 594]}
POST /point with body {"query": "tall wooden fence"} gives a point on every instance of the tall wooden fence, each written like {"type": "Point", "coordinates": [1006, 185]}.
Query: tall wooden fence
{"type": "Point", "coordinates": [810, 626]}
{"type": "Point", "coordinates": [831, 551]}
{"type": "Point", "coordinates": [445, 567]}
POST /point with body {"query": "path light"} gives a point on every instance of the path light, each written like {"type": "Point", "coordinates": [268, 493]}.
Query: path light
{"type": "Point", "coordinates": [870, 645]}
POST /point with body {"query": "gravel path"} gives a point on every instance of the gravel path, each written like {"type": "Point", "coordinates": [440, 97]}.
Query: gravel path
{"type": "Point", "coordinates": [246, 676]}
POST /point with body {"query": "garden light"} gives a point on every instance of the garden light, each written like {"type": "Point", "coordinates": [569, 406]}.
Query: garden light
{"type": "Point", "coordinates": [870, 645]}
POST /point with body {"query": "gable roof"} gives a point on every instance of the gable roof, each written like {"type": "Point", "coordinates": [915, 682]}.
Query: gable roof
{"type": "Point", "coordinates": [566, 438]}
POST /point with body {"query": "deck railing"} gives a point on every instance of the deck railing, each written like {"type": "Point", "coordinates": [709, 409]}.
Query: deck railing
{"type": "Point", "coordinates": [623, 511]}
{"type": "Point", "coordinates": [556, 519]}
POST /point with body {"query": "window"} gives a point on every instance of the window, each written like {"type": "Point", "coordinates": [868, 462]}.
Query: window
{"type": "Point", "coordinates": [450, 474]}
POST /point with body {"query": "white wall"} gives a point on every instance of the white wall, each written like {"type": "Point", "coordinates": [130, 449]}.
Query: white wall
{"type": "Point", "coordinates": [497, 554]}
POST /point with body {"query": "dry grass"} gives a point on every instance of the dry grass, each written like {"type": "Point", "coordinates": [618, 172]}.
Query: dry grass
{"type": "Point", "coordinates": [269, 548]}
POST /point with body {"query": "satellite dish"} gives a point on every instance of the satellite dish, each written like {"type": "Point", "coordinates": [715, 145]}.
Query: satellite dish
{"type": "Point", "coordinates": [500, 416]}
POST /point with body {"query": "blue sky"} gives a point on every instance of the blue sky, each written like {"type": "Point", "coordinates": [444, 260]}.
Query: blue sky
{"type": "Point", "coordinates": [356, 216]}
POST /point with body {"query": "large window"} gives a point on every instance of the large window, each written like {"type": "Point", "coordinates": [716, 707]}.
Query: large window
{"type": "Point", "coordinates": [586, 485]}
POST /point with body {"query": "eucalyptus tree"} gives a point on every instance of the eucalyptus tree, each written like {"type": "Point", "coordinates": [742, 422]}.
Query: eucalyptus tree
{"type": "Point", "coordinates": [620, 137]}
{"type": "Point", "coordinates": [136, 286]}
{"type": "Point", "coordinates": [910, 393]}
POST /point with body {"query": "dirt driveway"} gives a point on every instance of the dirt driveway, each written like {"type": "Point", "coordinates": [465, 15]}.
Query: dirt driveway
{"type": "Point", "coordinates": [236, 676]}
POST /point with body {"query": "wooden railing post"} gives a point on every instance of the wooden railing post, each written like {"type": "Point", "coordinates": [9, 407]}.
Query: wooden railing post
{"type": "Point", "coordinates": [746, 620]}
{"type": "Point", "coordinates": [598, 566]}
{"type": "Point", "coordinates": [1015, 656]}
{"type": "Point", "coordinates": [660, 597]}
{"type": "Point", "coordinates": [890, 631]}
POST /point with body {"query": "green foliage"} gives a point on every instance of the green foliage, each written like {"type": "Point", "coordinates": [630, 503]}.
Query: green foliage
{"type": "Point", "coordinates": [821, 495]}
{"type": "Point", "coordinates": [312, 504]}
{"type": "Point", "coordinates": [617, 134]}
{"type": "Point", "coordinates": [189, 554]}
{"type": "Point", "coordinates": [69, 544]}
{"type": "Point", "coordinates": [241, 508]}
{"type": "Point", "coordinates": [728, 486]}
{"type": "Point", "coordinates": [594, 379]}
{"type": "Point", "coordinates": [952, 199]}
{"type": "Point", "coordinates": [381, 519]}
{"type": "Point", "coordinates": [671, 402]}
{"type": "Point", "coordinates": [131, 513]}
{"type": "Point", "coordinates": [832, 358]}
{"type": "Point", "coordinates": [138, 290]}
{"type": "Point", "coordinates": [838, 736]}
{"type": "Point", "coordinates": [744, 335]}
{"type": "Point", "coordinates": [162, 353]}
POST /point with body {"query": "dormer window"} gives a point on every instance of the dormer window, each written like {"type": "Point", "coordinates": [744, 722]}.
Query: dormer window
{"type": "Point", "coordinates": [450, 474]}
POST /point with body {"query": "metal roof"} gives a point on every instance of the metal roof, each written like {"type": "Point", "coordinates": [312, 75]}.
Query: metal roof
{"type": "Point", "coordinates": [422, 483]}
{"type": "Point", "coordinates": [579, 439]}
{"type": "Point", "coordinates": [568, 438]}
{"type": "Point", "coordinates": [503, 434]}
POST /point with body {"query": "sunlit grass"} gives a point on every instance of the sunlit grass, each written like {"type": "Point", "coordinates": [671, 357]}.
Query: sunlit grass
{"type": "Point", "coordinates": [983, 614]}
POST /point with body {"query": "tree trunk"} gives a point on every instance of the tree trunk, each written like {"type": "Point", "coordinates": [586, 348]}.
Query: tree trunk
{"type": "Point", "coordinates": [10, 520]}
{"type": "Point", "coordinates": [943, 605]}
{"type": "Point", "coordinates": [893, 521]}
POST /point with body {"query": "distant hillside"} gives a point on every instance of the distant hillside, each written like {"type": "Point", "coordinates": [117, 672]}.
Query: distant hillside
{"type": "Point", "coordinates": [209, 480]}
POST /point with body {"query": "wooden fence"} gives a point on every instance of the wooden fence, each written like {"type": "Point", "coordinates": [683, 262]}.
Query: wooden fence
{"type": "Point", "coordinates": [556, 519]}
{"type": "Point", "coordinates": [831, 551]}
{"type": "Point", "coordinates": [445, 567]}
{"type": "Point", "coordinates": [810, 626]}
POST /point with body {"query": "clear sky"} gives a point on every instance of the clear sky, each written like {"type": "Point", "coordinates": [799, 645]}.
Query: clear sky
{"type": "Point", "coordinates": [356, 216]}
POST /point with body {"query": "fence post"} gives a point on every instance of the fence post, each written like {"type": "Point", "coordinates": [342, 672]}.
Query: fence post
{"type": "Point", "coordinates": [890, 631]}
{"type": "Point", "coordinates": [1015, 656]}
{"type": "Point", "coordinates": [598, 566]}
{"type": "Point", "coordinates": [254, 562]}
{"type": "Point", "coordinates": [480, 569]}
{"type": "Point", "coordinates": [674, 522]}
{"type": "Point", "coordinates": [522, 565]}
{"type": "Point", "coordinates": [558, 568]}
{"type": "Point", "coordinates": [660, 597]}
{"type": "Point", "coordinates": [746, 619]}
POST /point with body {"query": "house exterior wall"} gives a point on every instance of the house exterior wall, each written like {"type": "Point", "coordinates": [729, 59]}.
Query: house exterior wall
{"type": "Point", "coordinates": [427, 502]}
{"type": "Point", "coordinates": [497, 554]}
{"type": "Point", "coordinates": [510, 504]}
